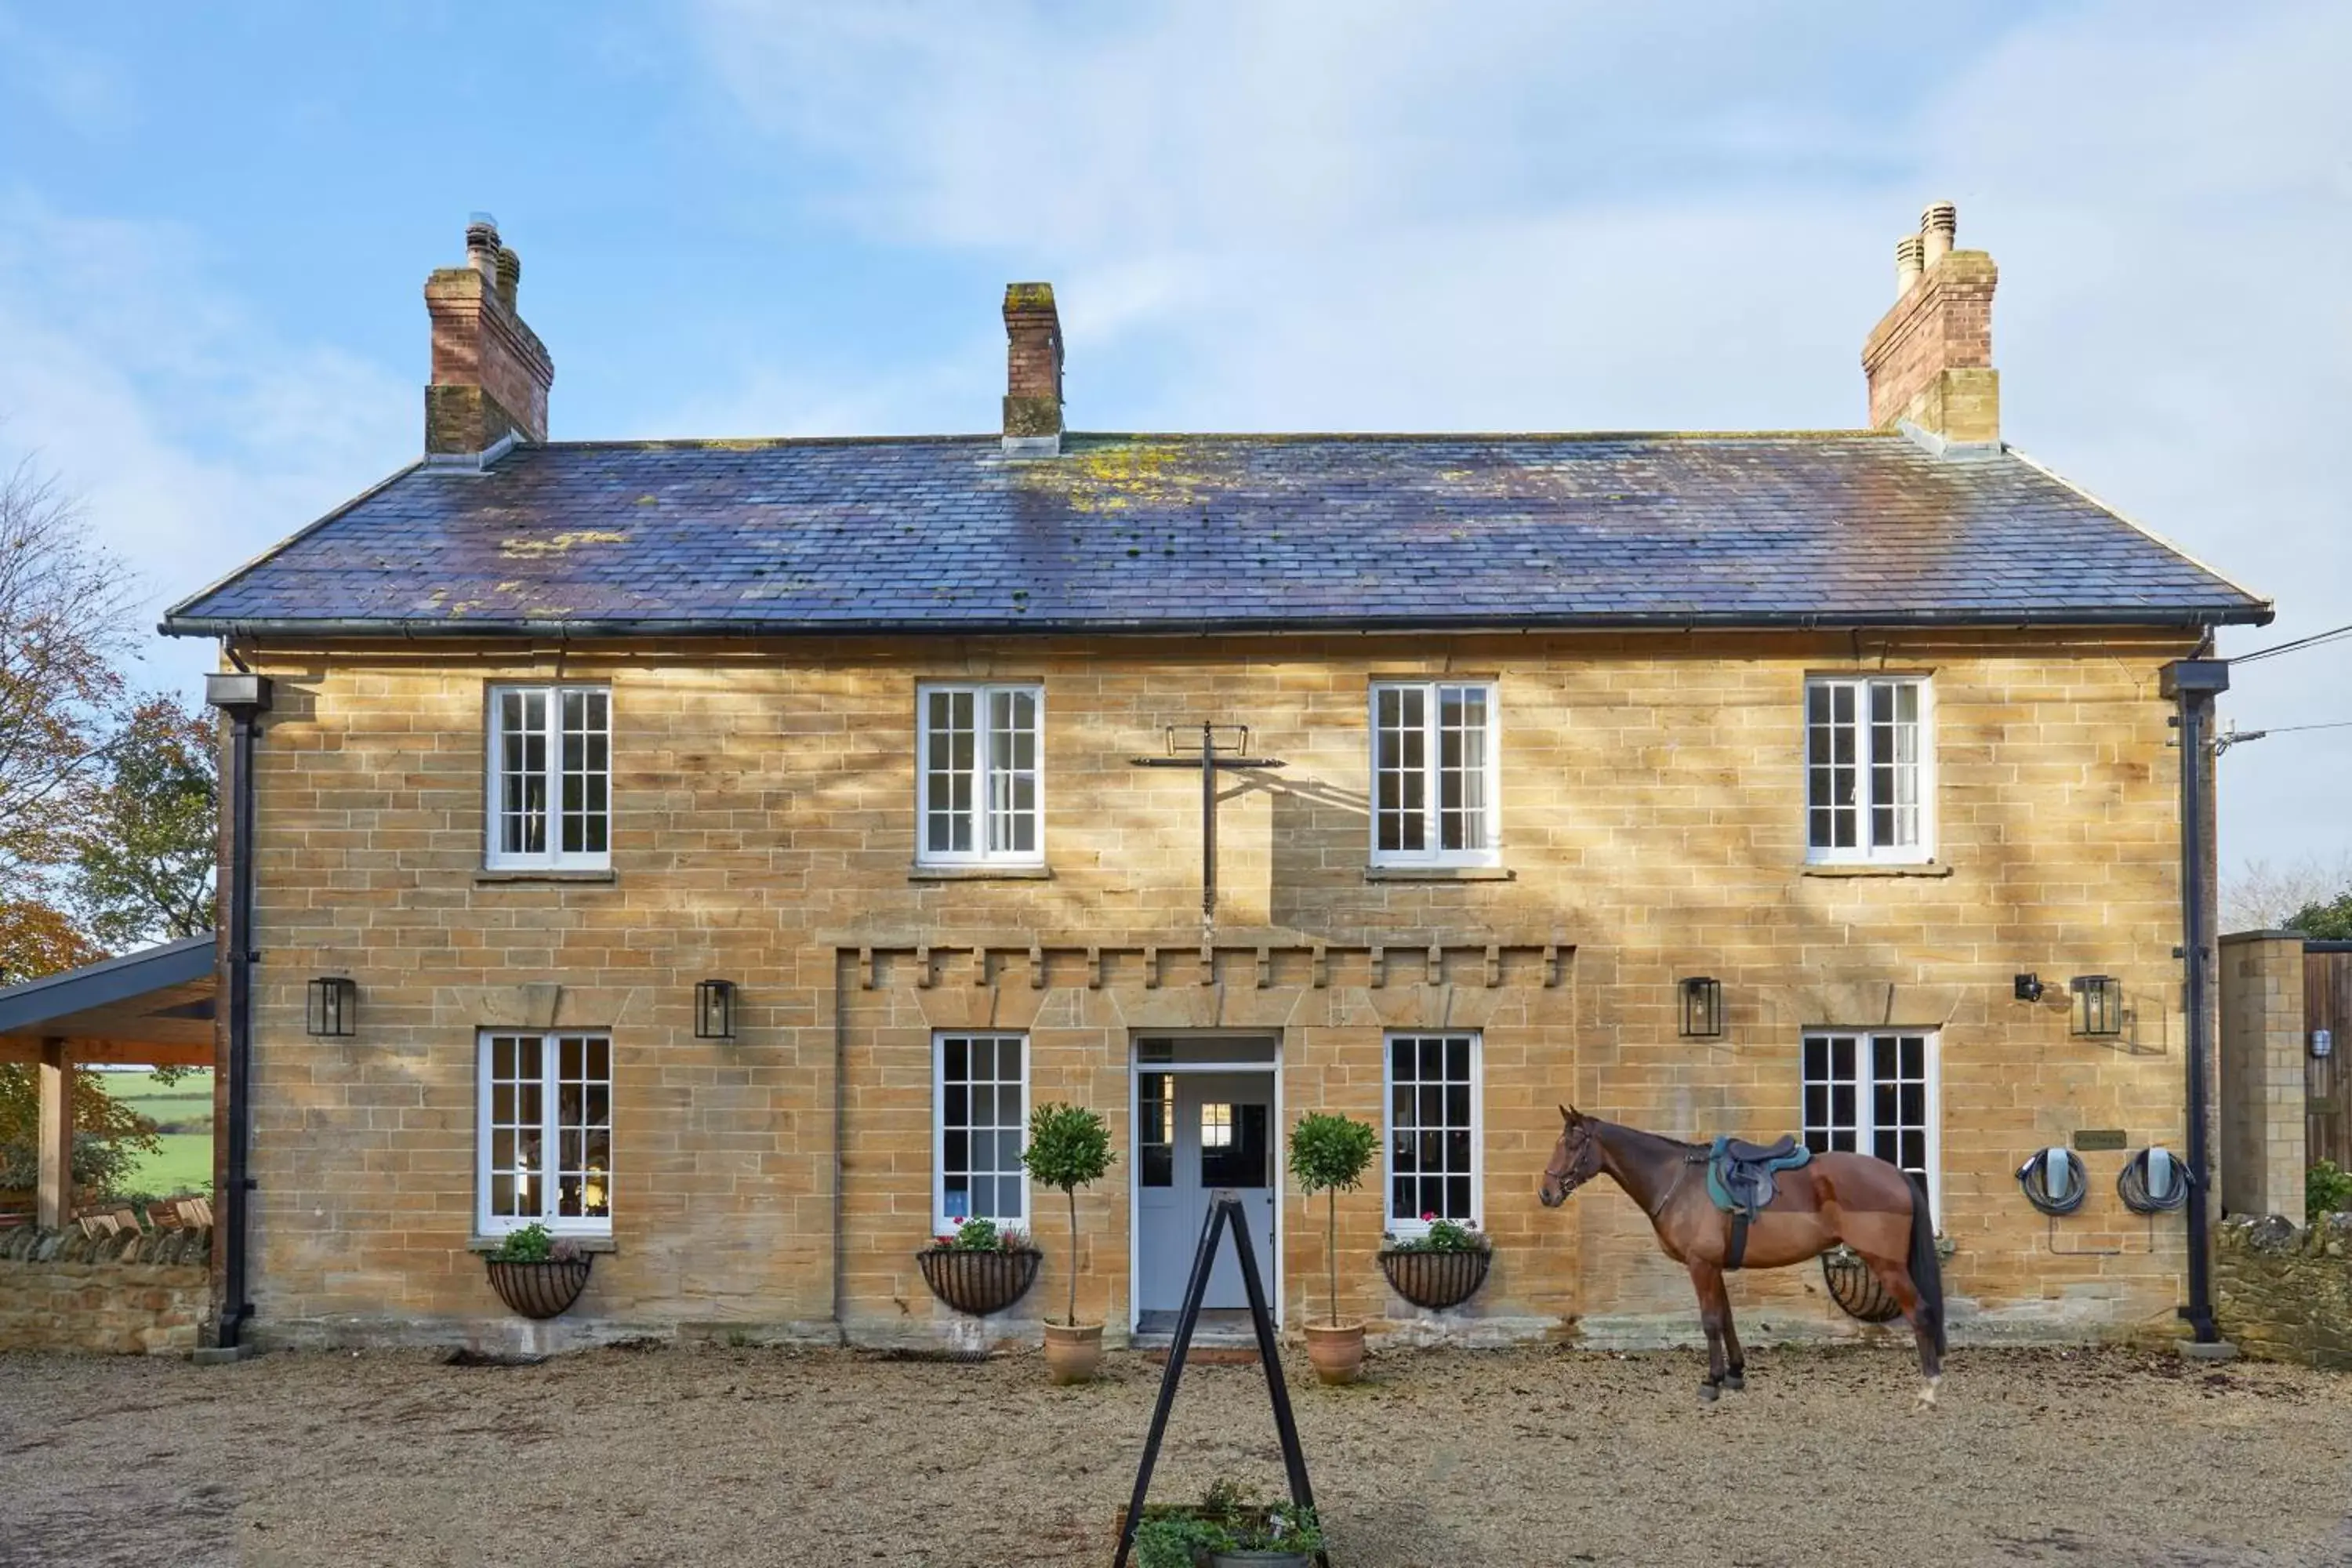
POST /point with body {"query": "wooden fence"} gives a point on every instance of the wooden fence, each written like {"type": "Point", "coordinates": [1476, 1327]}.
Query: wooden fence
{"type": "Point", "coordinates": [2328, 1081]}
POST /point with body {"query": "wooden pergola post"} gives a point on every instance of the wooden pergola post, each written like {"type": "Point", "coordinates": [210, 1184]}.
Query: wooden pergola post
{"type": "Point", "coordinates": [53, 1203]}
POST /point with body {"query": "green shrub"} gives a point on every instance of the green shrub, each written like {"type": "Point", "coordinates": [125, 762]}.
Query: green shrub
{"type": "Point", "coordinates": [531, 1244]}
{"type": "Point", "coordinates": [1069, 1148]}
{"type": "Point", "coordinates": [1328, 1153]}
{"type": "Point", "coordinates": [2326, 1189]}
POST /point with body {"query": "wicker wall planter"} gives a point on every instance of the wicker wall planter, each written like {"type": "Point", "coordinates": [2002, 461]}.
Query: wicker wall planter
{"type": "Point", "coordinates": [977, 1281]}
{"type": "Point", "coordinates": [1436, 1280]}
{"type": "Point", "coordinates": [540, 1290]}
{"type": "Point", "coordinates": [1856, 1288]}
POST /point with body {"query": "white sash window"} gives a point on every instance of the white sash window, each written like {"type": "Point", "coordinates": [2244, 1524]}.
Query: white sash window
{"type": "Point", "coordinates": [550, 778]}
{"type": "Point", "coordinates": [544, 1143]}
{"type": "Point", "coordinates": [983, 775]}
{"type": "Point", "coordinates": [1436, 789]}
{"type": "Point", "coordinates": [1869, 770]}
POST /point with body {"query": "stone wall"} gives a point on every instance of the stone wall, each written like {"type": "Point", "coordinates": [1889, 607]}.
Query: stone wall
{"type": "Point", "coordinates": [2262, 1072]}
{"type": "Point", "coordinates": [128, 1294]}
{"type": "Point", "coordinates": [764, 831]}
{"type": "Point", "coordinates": [2284, 1293]}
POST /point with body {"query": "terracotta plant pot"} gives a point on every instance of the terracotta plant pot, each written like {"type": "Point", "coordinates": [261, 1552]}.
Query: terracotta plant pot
{"type": "Point", "coordinates": [540, 1290]}
{"type": "Point", "coordinates": [1336, 1351]}
{"type": "Point", "coordinates": [1436, 1280]}
{"type": "Point", "coordinates": [1073, 1351]}
{"type": "Point", "coordinates": [979, 1282]}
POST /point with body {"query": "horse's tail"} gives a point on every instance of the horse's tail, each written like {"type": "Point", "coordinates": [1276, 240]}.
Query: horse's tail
{"type": "Point", "coordinates": [1926, 1268]}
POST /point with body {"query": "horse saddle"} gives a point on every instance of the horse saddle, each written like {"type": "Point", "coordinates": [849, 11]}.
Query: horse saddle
{"type": "Point", "coordinates": [1742, 1177]}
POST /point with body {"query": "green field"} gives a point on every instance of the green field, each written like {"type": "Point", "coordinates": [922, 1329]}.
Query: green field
{"type": "Point", "coordinates": [186, 1159]}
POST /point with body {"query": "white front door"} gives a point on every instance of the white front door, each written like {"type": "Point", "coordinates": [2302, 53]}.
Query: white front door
{"type": "Point", "coordinates": [1198, 1133]}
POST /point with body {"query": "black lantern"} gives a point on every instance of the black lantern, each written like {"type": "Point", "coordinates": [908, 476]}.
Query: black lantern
{"type": "Point", "coordinates": [714, 1010]}
{"type": "Point", "coordinates": [1702, 1007]}
{"type": "Point", "coordinates": [2098, 1005]}
{"type": "Point", "coordinates": [334, 1006]}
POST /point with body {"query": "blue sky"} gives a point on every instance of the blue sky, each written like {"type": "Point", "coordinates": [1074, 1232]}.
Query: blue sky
{"type": "Point", "coordinates": [738, 219]}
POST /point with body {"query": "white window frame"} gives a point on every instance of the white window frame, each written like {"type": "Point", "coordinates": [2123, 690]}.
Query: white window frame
{"type": "Point", "coordinates": [554, 857]}
{"type": "Point", "coordinates": [983, 768]}
{"type": "Point", "coordinates": [1413, 1225]}
{"type": "Point", "coordinates": [1863, 1083]}
{"type": "Point", "coordinates": [1432, 821]}
{"type": "Point", "coordinates": [1864, 852]}
{"type": "Point", "coordinates": [943, 1222]}
{"type": "Point", "coordinates": [548, 1173]}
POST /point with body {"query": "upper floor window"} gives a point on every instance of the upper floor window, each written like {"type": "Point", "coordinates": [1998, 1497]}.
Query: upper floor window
{"type": "Point", "coordinates": [1437, 795]}
{"type": "Point", "coordinates": [1868, 769]}
{"type": "Point", "coordinates": [982, 787]}
{"type": "Point", "coordinates": [551, 777]}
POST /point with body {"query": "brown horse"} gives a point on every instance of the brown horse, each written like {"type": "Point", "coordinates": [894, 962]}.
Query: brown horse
{"type": "Point", "coordinates": [1870, 1204]}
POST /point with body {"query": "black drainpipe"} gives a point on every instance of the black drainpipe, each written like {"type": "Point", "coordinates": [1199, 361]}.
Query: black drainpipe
{"type": "Point", "coordinates": [2194, 683]}
{"type": "Point", "coordinates": [244, 698]}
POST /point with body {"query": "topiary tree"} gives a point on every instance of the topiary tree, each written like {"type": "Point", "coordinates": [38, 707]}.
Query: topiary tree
{"type": "Point", "coordinates": [1328, 1152]}
{"type": "Point", "coordinates": [1069, 1148]}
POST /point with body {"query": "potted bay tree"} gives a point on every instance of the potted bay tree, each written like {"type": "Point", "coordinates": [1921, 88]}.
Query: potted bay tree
{"type": "Point", "coordinates": [1069, 1148]}
{"type": "Point", "coordinates": [1328, 1153]}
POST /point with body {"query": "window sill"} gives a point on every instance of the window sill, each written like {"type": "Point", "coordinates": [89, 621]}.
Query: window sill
{"type": "Point", "coordinates": [1440, 874]}
{"type": "Point", "coordinates": [1874, 868]}
{"type": "Point", "coordinates": [981, 874]}
{"type": "Point", "coordinates": [547, 874]}
{"type": "Point", "coordinates": [583, 1243]}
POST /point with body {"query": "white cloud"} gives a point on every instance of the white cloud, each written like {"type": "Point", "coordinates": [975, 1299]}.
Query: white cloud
{"type": "Point", "coordinates": [152, 390]}
{"type": "Point", "coordinates": [1578, 216]}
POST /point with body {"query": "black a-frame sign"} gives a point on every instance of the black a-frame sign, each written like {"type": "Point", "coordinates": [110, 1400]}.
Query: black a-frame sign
{"type": "Point", "coordinates": [1225, 1209]}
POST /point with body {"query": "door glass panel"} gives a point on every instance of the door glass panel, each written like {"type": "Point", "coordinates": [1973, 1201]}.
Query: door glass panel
{"type": "Point", "coordinates": [1241, 1160]}
{"type": "Point", "coordinates": [1155, 1148]}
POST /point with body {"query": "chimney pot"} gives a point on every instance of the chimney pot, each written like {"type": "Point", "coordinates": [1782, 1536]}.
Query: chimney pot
{"type": "Point", "coordinates": [490, 372]}
{"type": "Point", "coordinates": [1033, 370]}
{"type": "Point", "coordinates": [1939, 227]}
{"type": "Point", "coordinates": [1909, 262]}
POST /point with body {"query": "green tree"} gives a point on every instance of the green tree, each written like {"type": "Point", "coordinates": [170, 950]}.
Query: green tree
{"type": "Point", "coordinates": [143, 841]}
{"type": "Point", "coordinates": [1328, 1153]}
{"type": "Point", "coordinates": [2328, 921]}
{"type": "Point", "coordinates": [1069, 1148]}
{"type": "Point", "coordinates": [64, 625]}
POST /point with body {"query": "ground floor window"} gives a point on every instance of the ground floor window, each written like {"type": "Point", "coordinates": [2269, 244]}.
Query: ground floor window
{"type": "Point", "coordinates": [1873, 1093]}
{"type": "Point", "coordinates": [982, 1115]}
{"type": "Point", "coordinates": [1432, 1133]}
{"type": "Point", "coordinates": [546, 1132]}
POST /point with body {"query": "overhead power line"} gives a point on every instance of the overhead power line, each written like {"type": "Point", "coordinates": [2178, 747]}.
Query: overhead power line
{"type": "Point", "coordinates": [2230, 737]}
{"type": "Point", "coordinates": [2298, 644]}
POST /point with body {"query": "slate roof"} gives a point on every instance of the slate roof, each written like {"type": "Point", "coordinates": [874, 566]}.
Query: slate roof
{"type": "Point", "coordinates": [1208, 532]}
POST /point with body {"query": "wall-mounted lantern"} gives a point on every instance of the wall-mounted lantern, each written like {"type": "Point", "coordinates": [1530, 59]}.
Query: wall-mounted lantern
{"type": "Point", "coordinates": [334, 1006]}
{"type": "Point", "coordinates": [2098, 1005]}
{"type": "Point", "coordinates": [1702, 997]}
{"type": "Point", "coordinates": [714, 1010]}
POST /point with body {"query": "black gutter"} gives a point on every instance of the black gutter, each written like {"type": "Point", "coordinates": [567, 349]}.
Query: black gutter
{"type": "Point", "coordinates": [244, 698]}
{"type": "Point", "coordinates": [656, 626]}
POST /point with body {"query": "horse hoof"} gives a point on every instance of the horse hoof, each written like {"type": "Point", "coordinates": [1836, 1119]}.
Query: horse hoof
{"type": "Point", "coordinates": [1707, 1393]}
{"type": "Point", "coordinates": [1736, 1381]}
{"type": "Point", "coordinates": [1928, 1392]}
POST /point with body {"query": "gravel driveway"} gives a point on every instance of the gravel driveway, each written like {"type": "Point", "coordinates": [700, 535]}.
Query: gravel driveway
{"type": "Point", "coordinates": [1539, 1456]}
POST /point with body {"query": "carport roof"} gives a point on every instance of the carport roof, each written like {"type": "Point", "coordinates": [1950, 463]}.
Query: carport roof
{"type": "Point", "coordinates": [157, 997]}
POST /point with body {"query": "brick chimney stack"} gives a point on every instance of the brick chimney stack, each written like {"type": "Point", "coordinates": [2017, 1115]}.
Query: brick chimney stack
{"type": "Point", "coordinates": [1033, 380]}
{"type": "Point", "coordinates": [490, 372]}
{"type": "Point", "coordinates": [1929, 359]}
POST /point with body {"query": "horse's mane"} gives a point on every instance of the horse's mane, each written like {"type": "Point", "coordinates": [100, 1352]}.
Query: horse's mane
{"type": "Point", "coordinates": [1683, 1143]}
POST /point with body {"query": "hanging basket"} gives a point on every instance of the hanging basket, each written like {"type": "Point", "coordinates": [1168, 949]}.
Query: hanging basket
{"type": "Point", "coordinates": [1436, 1280]}
{"type": "Point", "coordinates": [978, 1281]}
{"type": "Point", "coordinates": [540, 1290]}
{"type": "Point", "coordinates": [1856, 1288]}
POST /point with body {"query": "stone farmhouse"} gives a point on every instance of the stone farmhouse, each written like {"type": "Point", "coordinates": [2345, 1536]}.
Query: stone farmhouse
{"type": "Point", "coordinates": [1727, 782]}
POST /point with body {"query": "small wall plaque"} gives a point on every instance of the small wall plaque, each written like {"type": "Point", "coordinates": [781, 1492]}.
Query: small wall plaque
{"type": "Point", "coordinates": [2099, 1138]}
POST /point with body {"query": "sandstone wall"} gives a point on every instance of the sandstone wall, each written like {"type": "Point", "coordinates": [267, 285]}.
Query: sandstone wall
{"type": "Point", "coordinates": [764, 832]}
{"type": "Point", "coordinates": [2284, 1292]}
{"type": "Point", "coordinates": [114, 1295]}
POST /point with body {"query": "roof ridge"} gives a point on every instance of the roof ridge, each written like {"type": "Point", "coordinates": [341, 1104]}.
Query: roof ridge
{"type": "Point", "coordinates": [763, 443]}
